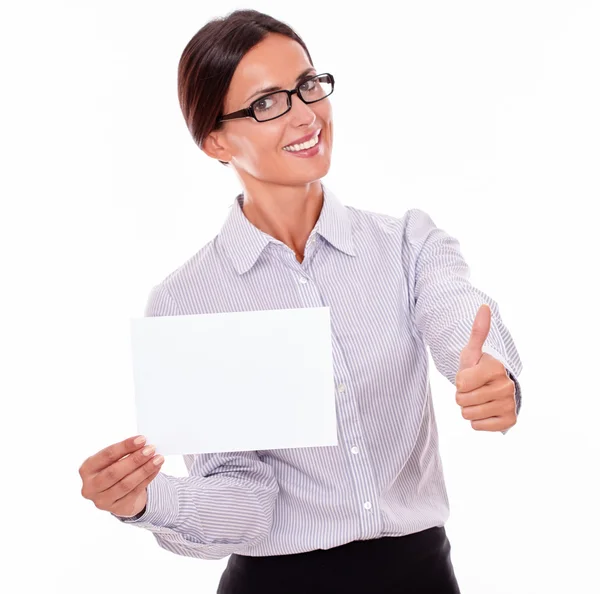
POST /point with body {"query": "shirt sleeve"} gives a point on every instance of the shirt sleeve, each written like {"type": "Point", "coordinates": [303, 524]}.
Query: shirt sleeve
{"type": "Point", "coordinates": [444, 302]}
{"type": "Point", "coordinates": [227, 501]}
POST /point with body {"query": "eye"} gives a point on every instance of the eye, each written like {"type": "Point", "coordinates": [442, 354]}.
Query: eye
{"type": "Point", "coordinates": [263, 104]}
{"type": "Point", "coordinates": [308, 85]}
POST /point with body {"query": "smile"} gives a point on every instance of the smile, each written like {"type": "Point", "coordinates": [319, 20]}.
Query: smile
{"type": "Point", "coordinates": [293, 148]}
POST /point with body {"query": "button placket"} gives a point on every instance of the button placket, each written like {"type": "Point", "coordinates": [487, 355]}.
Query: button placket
{"type": "Point", "coordinates": [359, 463]}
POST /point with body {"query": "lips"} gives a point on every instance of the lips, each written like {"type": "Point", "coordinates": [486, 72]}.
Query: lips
{"type": "Point", "coordinates": [303, 138]}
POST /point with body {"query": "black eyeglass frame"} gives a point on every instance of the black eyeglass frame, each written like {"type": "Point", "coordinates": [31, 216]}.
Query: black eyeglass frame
{"type": "Point", "coordinates": [249, 111]}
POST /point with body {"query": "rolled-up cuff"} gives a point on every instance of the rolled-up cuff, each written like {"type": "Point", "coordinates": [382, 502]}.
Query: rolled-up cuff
{"type": "Point", "coordinates": [162, 507]}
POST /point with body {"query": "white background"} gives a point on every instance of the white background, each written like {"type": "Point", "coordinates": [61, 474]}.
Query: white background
{"type": "Point", "coordinates": [484, 114]}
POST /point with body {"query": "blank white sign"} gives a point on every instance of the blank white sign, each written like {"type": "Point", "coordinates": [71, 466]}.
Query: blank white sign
{"type": "Point", "coordinates": [236, 381]}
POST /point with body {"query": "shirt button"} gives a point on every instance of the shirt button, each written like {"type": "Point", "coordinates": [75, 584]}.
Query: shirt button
{"type": "Point", "coordinates": [341, 388]}
{"type": "Point", "coordinates": [354, 450]}
{"type": "Point", "coordinates": [368, 505]}
{"type": "Point", "coordinates": [303, 280]}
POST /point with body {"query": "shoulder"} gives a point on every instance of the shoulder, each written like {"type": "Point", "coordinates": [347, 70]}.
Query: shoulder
{"type": "Point", "coordinates": [165, 295]}
{"type": "Point", "coordinates": [409, 226]}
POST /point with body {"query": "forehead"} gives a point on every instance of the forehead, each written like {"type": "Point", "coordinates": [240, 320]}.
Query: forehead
{"type": "Point", "coordinates": [276, 61]}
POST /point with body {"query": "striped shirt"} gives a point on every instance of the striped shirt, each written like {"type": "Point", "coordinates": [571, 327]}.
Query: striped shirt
{"type": "Point", "coordinates": [395, 287]}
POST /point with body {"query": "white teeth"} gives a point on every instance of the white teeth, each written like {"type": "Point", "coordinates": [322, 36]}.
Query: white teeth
{"type": "Point", "coordinates": [304, 145]}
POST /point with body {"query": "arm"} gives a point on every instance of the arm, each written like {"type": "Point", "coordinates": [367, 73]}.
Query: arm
{"type": "Point", "coordinates": [226, 502]}
{"type": "Point", "coordinates": [445, 303]}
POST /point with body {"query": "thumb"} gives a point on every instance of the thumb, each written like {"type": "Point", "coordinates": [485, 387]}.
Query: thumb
{"type": "Point", "coordinates": [473, 352]}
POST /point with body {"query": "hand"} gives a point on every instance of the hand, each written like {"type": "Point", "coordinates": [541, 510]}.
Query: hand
{"type": "Point", "coordinates": [116, 483]}
{"type": "Point", "coordinates": [485, 392]}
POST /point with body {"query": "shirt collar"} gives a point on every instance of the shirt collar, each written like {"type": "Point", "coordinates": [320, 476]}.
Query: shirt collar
{"type": "Point", "coordinates": [243, 243]}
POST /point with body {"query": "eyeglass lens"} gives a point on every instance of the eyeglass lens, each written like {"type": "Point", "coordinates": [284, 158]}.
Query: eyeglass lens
{"type": "Point", "coordinates": [276, 104]}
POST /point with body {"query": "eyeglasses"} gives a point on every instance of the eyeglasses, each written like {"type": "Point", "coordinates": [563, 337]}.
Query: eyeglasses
{"type": "Point", "coordinates": [274, 105]}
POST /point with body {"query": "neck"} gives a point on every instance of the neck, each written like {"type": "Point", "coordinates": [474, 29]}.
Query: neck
{"type": "Point", "coordinates": [287, 213]}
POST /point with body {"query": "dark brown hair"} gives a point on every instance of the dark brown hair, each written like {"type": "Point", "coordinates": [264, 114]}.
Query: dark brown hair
{"type": "Point", "coordinates": [209, 60]}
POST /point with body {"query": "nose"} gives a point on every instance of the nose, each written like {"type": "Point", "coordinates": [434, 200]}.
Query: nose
{"type": "Point", "coordinates": [301, 112]}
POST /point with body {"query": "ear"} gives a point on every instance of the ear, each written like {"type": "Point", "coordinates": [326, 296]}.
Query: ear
{"type": "Point", "coordinates": [213, 148]}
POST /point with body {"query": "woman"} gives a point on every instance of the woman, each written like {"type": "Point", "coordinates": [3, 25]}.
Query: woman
{"type": "Point", "coordinates": [367, 515]}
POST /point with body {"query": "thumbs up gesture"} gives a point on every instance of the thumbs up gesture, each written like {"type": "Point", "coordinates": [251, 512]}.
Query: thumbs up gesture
{"type": "Point", "coordinates": [484, 391]}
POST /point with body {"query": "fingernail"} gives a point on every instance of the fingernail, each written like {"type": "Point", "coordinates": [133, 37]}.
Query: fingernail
{"type": "Point", "coordinates": [148, 450]}
{"type": "Point", "coordinates": [139, 440]}
{"type": "Point", "coordinates": [158, 460]}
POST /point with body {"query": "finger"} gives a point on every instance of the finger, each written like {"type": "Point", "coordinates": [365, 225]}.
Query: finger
{"type": "Point", "coordinates": [487, 372]}
{"type": "Point", "coordinates": [483, 411]}
{"type": "Point", "coordinates": [130, 482]}
{"type": "Point", "coordinates": [110, 455]}
{"type": "Point", "coordinates": [472, 352]}
{"type": "Point", "coordinates": [136, 492]}
{"type": "Point", "coordinates": [490, 424]}
{"type": "Point", "coordinates": [476, 377]}
{"type": "Point", "coordinates": [114, 473]}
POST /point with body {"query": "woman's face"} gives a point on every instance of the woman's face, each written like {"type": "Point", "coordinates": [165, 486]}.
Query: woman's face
{"type": "Point", "coordinates": [256, 148]}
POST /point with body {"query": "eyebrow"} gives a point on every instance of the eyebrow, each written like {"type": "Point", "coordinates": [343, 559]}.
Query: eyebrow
{"type": "Point", "coordinates": [270, 89]}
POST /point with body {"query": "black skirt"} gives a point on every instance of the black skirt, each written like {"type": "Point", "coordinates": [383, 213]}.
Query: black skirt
{"type": "Point", "coordinates": [416, 563]}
